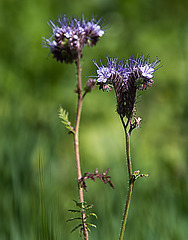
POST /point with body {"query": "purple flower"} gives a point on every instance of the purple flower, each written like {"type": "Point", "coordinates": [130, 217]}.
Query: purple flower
{"type": "Point", "coordinates": [105, 74]}
{"type": "Point", "coordinates": [126, 77]}
{"type": "Point", "coordinates": [70, 36]}
{"type": "Point", "coordinates": [93, 31]}
{"type": "Point", "coordinates": [147, 71]}
{"type": "Point", "coordinates": [142, 70]}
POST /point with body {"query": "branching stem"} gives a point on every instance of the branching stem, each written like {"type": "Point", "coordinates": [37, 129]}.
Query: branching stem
{"type": "Point", "coordinates": [131, 182]}
{"type": "Point", "coordinates": [76, 142]}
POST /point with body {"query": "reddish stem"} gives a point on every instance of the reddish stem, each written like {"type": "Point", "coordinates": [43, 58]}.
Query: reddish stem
{"type": "Point", "coordinates": [76, 143]}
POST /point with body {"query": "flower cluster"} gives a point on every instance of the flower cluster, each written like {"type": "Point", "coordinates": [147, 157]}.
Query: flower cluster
{"type": "Point", "coordinates": [126, 77]}
{"type": "Point", "coordinates": [70, 36]}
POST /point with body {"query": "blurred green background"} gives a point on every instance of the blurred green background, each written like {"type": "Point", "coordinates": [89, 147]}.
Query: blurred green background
{"type": "Point", "coordinates": [32, 87]}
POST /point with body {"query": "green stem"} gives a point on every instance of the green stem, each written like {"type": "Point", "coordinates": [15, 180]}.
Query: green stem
{"type": "Point", "coordinates": [76, 142]}
{"type": "Point", "coordinates": [131, 182]}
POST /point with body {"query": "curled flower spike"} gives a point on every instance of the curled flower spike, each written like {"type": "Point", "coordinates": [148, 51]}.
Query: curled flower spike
{"type": "Point", "coordinates": [126, 77]}
{"type": "Point", "coordinates": [144, 70]}
{"type": "Point", "coordinates": [70, 36]}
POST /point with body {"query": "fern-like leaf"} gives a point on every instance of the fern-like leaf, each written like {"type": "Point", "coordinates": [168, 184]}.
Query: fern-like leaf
{"type": "Point", "coordinates": [82, 207]}
{"type": "Point", "coordinates": [63, 115]}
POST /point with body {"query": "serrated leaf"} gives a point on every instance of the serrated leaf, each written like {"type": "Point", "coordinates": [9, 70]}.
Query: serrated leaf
{"type": "Point", "coordinates": [78, 204]}
{"type": "Point", "coordinates": [88, 229]}
{"type": "Point", "coordinates": [80, 225]}
{"type": "Point", "coordinates": [71, 219]}
{"type": "Point", "coordinates": [91, 214]}
{"type": "Point", "coordinates": [91, 225]}
{"type": "Point", "coordinates": [73, 210]}
{"type": "Point", "coordinates": [87, 207]}
{"type": "Point", "coordinates": [63, 115]}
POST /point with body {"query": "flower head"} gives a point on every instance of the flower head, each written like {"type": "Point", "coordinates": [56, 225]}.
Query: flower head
{"type": "Point", "coordinates": [70, 36]}
{"type": "Point", "coordinates": [126, 77]}
{"type": "Point", "coordinates": [142, 69]}
{"type": "Point", "coordinates": [108, 72]}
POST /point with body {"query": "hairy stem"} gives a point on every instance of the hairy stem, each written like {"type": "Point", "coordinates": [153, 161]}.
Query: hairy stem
{"type": "Point", "coordinates": [131, 182]}
{"type": "Point", "coordinates": [76, 142]}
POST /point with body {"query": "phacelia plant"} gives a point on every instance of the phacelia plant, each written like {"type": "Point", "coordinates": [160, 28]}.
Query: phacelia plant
{"type": "Point", "coordinates": [127, 77]}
